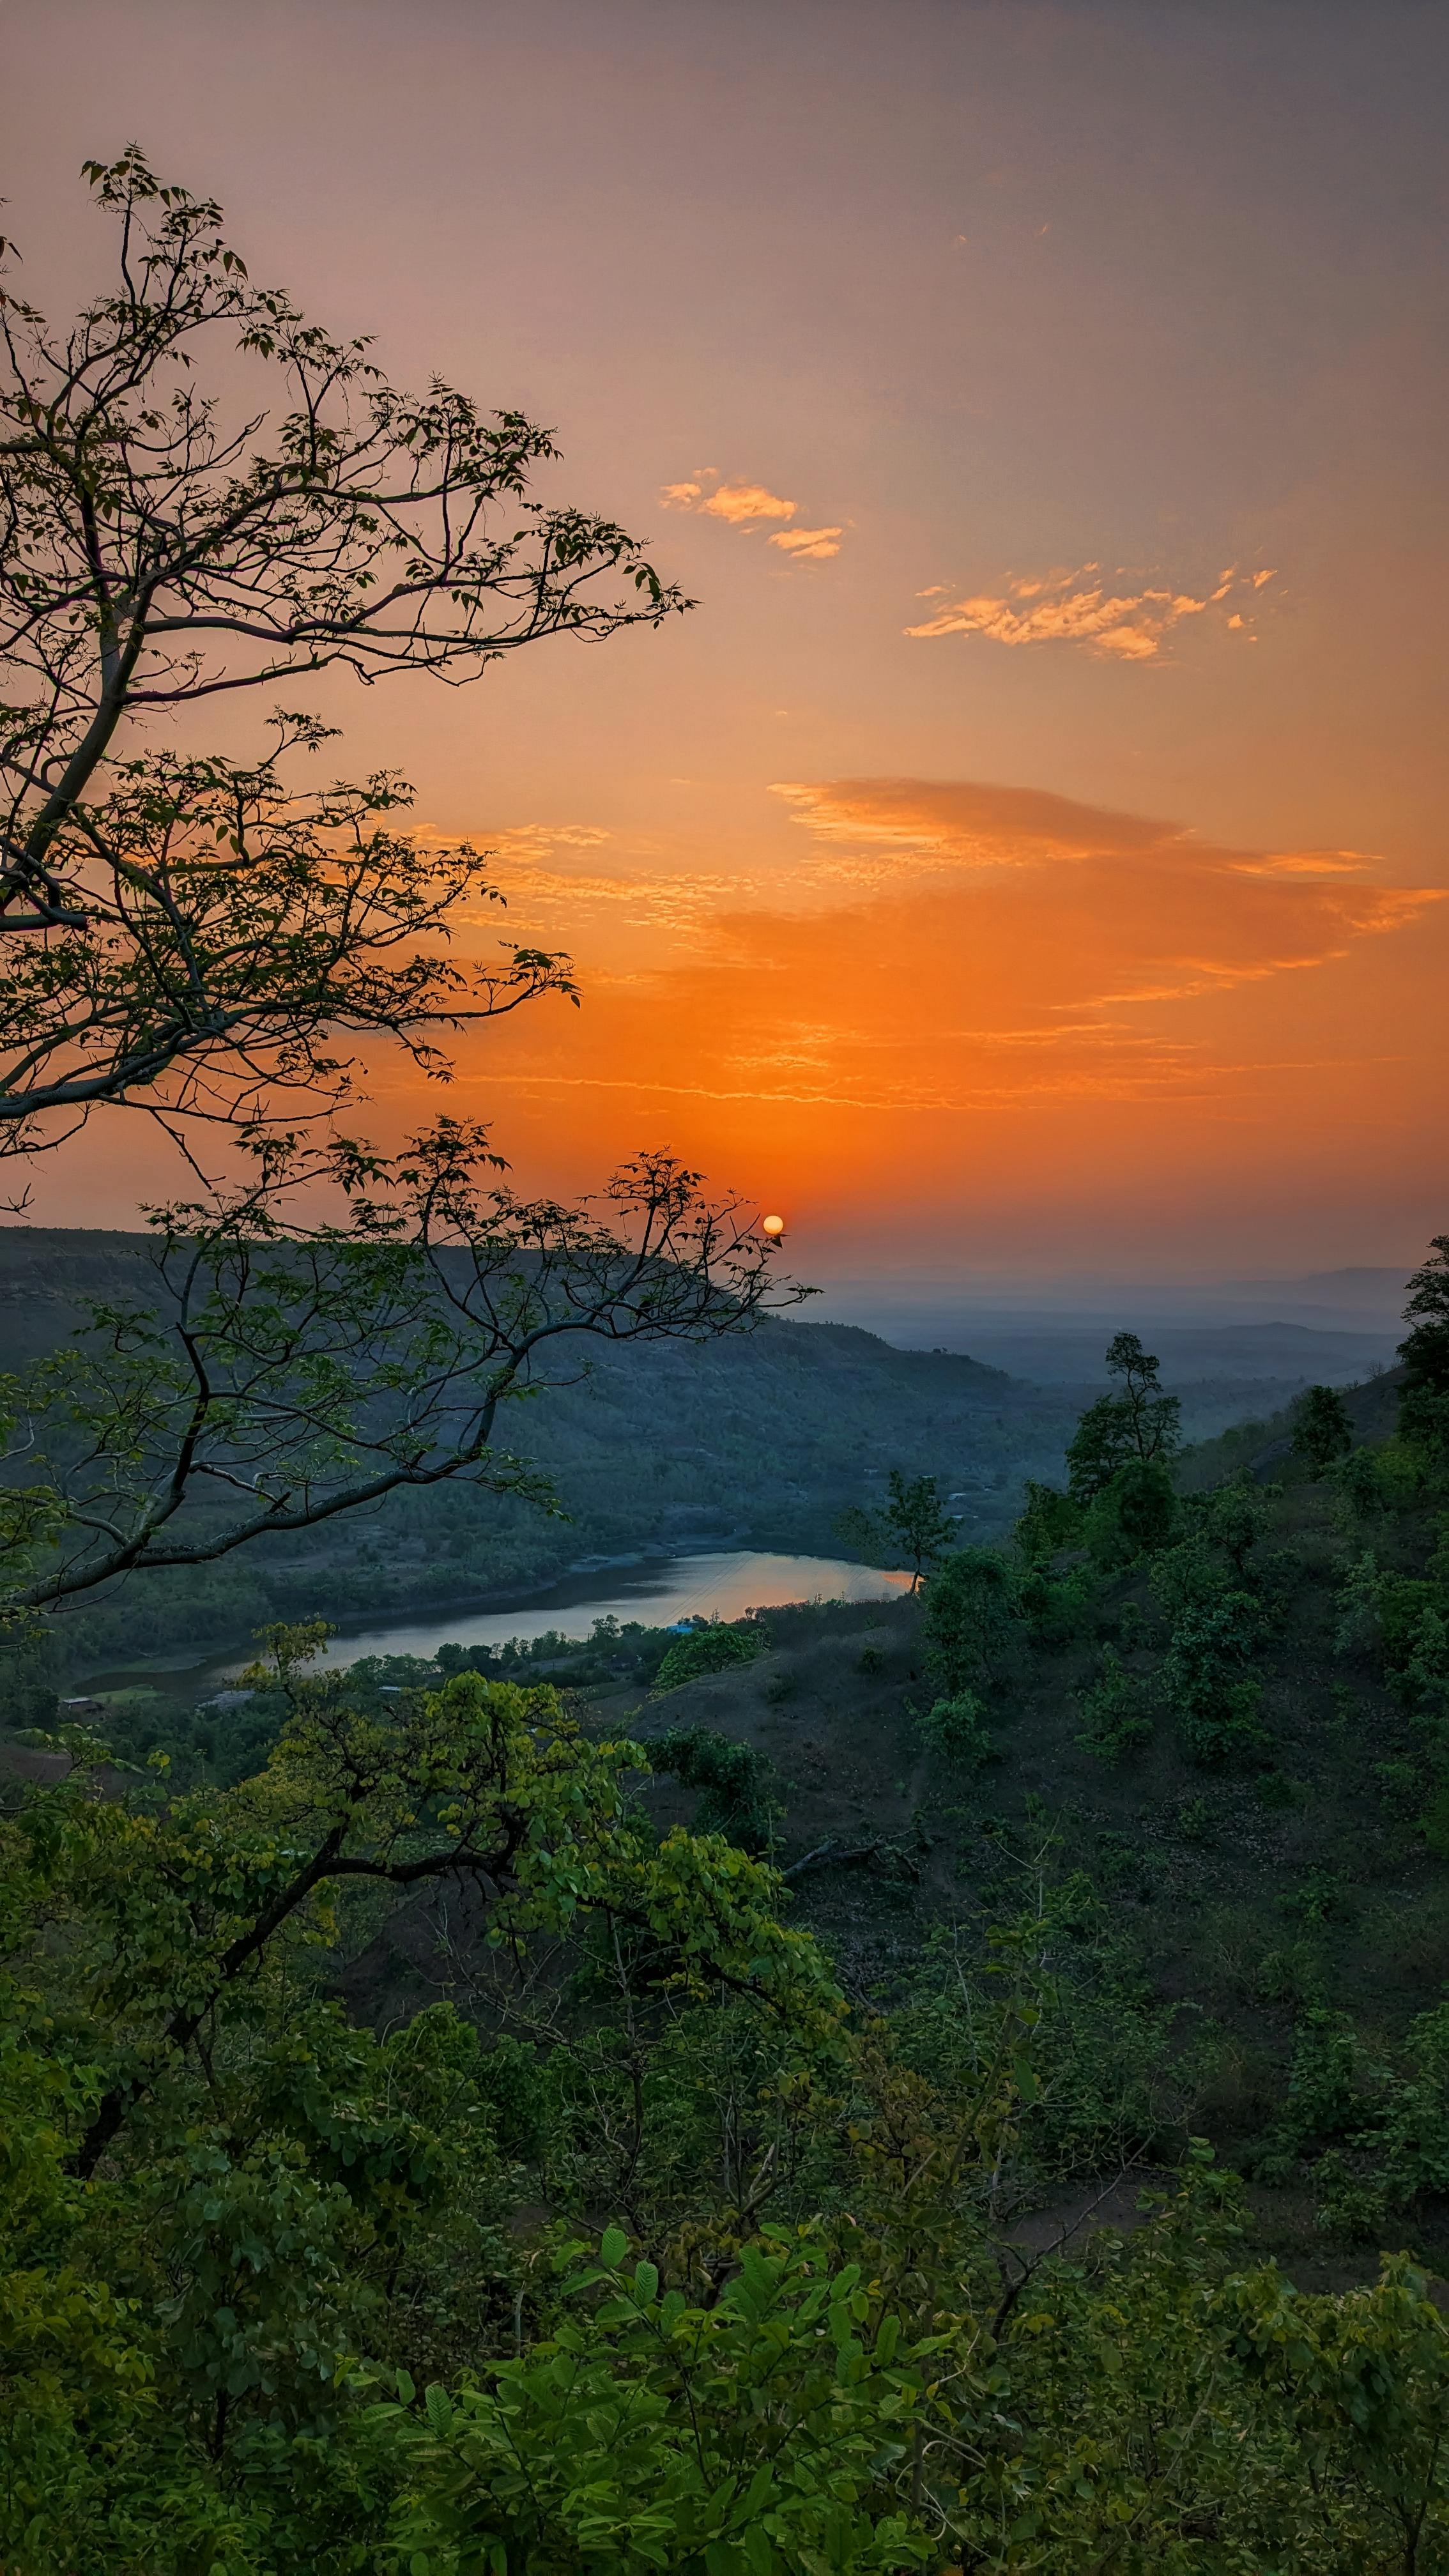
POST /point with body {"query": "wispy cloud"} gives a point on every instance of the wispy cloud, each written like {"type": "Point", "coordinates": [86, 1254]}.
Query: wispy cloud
{"type": "Point", "coordinates": [976, 998]}
{"type": "Point", "coordinates": [809, 545]}
{"type": "Point", "coordinates": [749, 507]}
{"type": "Point", "coordinates": [1083, 608]}
{"type": "Point", "coordinates": [566, 881]}
{"type": "Point", "coordinates": [1188, 923]}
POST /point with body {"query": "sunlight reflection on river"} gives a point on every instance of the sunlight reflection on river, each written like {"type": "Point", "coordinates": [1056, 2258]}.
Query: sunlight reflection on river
{"type": "Point", "coordinates": [655, 1593]}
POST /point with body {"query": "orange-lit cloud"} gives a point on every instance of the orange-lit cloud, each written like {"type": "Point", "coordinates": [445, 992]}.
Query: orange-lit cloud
{"type": "Point", "coordinates": [744, 505]}
{"type": "Point", "coordinates": [969, 1017]}
{"type": "Point", "coordinates": [976, 991]}
{"type": "Point", "coordinates": [572, 885]}
{"type": "Point", "coordinates": [1056, 608]}
{"type": "Point", "coordinates": [876, 830]}
{"type": "Point", "coordinates": [749, 507]}
{"type": "Point", "coordinates": [810, 545]}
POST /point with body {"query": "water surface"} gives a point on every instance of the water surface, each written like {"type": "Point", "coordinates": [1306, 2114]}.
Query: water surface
{"type": "Point", "coordinates": [655, 1593]}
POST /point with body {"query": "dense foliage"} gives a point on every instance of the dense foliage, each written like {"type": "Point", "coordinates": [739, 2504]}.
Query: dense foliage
{"type": "Point", "coordinates": [291, 2284]}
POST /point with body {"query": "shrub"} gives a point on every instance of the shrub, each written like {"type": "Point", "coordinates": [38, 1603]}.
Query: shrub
{"type": "Point", "coordinates": [970, 1616]}
{"type": "Point", "coordinates": [1115, 1711]}
{"type": "Point", "coordinates": [1207, 1676]}
{"type": "Point", "coordinates": [709, 1650]}
{"type": "Point", "coordinates": [1050, 1522]}
{"type": "Point", "coordinates": [1415, 2133]}
{"type": "Point", "coordinates": [1358, 1488]}
{"type": "Point", "coordinates": [1134, 1515]}
{"type": "Point", "coordinates": [956, 1729]}
{"type": "Point", "coordinates": [1218, 1704]}
{"type": "Point", "coordinates": [1350, 2205]}
{"type": "Point", "coordinates": [739, 1790]}
{"type": "Point", "coordinates": [1322, 1433]}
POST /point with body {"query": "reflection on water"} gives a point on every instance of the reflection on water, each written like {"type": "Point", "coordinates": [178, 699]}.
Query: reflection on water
{"type": "Point", "coordinates": [669, 1588]}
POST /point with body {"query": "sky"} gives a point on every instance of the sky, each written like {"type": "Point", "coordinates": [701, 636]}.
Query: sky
{"type": "Point", "coordinates": [1029, 856]}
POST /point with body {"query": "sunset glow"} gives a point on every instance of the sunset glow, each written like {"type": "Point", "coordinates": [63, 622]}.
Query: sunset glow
{"type": "Point", "coordinates": [1030, 850]}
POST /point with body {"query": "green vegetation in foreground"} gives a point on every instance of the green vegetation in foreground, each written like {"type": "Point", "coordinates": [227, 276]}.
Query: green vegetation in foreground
{"type": "Point", "coordinates": [631, 2239]}
{"type": "Point", "coordinates": [287, 2289]}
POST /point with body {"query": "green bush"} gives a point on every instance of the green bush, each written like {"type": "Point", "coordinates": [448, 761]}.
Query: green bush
{"type": "Point", "coordinates": [1350, 2207]}
{"type": "Point", "coordinates": [1134, 1515]}
{"type": "Point", "coordinates": [1050, 1522]}
{"type": "Point", "coordinates": [1415, 2132]}
{"type": "Point", "coordinates": [763, 2432]}
{"type": "Point", "coordinates": [1116, 1711]}
{"type": "Point", "coordinates": [1322, 1433]}
{"type": "Point", "coordinates": [739, 1791]}
{"type": "Point", "coordinates": [1358, 1489]}
{"type": "Point", "coordinates": [714, 1649]}
{"type": "Point", "coordinates": [956, 1730]}
{"type": "Point", "coordinates": [1207, 1677]}
{"type": "Point", "coordinates": [971, 1615]}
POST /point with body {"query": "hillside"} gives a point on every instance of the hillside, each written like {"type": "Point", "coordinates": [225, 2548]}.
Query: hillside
{"type": "Point", "coordinates": [757, 1441]}
{"type": "Point", "coordinates": [1268, 1916]}
{"type": "Point", "coordinates": [1092, 2000]}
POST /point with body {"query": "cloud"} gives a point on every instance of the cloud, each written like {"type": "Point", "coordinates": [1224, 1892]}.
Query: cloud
{"type": "Point", "coordinates": [744, 505]}
{"type": "Point", "coordinates": [809, 545]}
{"type": "Point", "coordinates": [1072, 608]}
{"type": "Point", "coordinates": [749, 507]}
{"type": "Point", "coordinates": [998, 945]}
{"type": "Point", "coordinates": [878, 831]}
{"type": "Point", "coordinates": [971, 1006]}
{"type": "Point", "coordinates": [563, 888]}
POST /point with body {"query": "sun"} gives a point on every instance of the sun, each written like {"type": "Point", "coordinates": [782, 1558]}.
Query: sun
{"type": "Point", "coordinates": [773, 1226]}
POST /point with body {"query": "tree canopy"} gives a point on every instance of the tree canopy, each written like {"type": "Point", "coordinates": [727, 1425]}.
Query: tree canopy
{"type": "Point", "coordinates": [192, 931]}
{"type": "Point", "coordinates": [202, 937]}
{"type": "Point", "coordinates": [910, 1523]}
{"type": "Point", "coordinates": [1137, 1422]}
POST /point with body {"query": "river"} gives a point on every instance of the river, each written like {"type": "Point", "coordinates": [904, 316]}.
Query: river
{"type": "Point", "coordinates": [655, 1592]}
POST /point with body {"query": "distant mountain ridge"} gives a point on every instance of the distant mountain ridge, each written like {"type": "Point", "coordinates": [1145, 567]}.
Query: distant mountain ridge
{"type": "Point", "coordinates": [1027, 1328]}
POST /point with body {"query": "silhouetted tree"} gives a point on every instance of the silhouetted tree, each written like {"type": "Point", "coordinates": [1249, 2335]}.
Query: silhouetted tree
{"type": "Point", "coordinates": [191, 930]}
{"type": "Point", "coordinates": [278, 1375]}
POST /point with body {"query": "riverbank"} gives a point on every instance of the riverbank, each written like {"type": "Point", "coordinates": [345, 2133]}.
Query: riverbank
{"type": "Point", "coordinates": [655, 1591]}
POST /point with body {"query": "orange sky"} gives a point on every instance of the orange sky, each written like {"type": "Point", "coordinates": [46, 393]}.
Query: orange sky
{"type": "Point", "coordinates": [1029, 854]}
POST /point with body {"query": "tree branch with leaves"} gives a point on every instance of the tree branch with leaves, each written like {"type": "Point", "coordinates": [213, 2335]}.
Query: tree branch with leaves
{"type": "Point", "coordinates": [162, 545]}
{"type": "Point", "coordinates": [278, 1373]}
